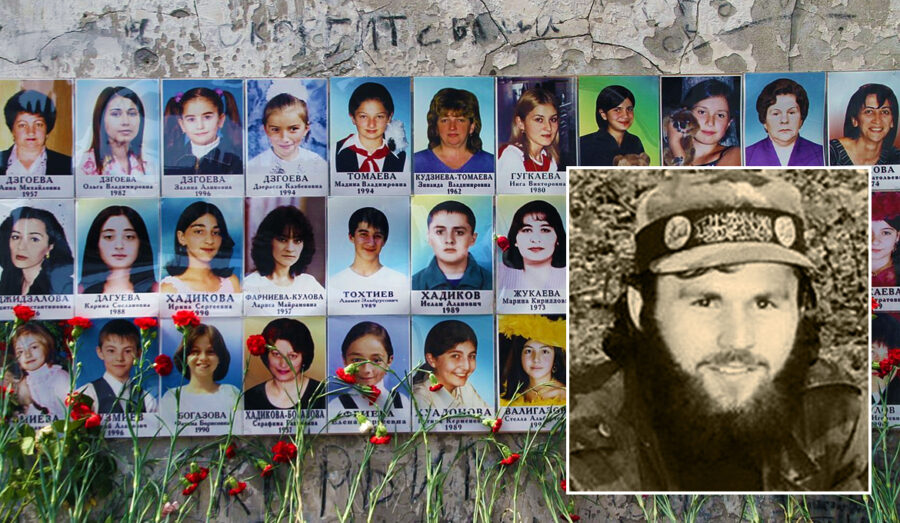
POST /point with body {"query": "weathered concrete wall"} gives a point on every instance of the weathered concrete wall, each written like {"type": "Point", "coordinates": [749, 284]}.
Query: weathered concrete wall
{"type": "Point", "coordinates": [197, 38]}
{"type": "Point", "coordinates": [86, 38]}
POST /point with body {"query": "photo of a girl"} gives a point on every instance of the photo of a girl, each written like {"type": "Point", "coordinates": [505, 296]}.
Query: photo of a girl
{"type": "Point", "coordinates": [42, 383]}
{"type": "Point", "coordinates": [203, 251]}
{"type": "Point", "coordinates": [534, 139]}
{"type": "Point", "coordinates": [35, 256]}
{"type": "Point", "coordinates": [451, 355]}
{"type": "Point", "coordinates": [203, 133]}
{"type": "Point", "coordinates": [536, 257]}
{"type": "Point", "coordinates": [118, 252]}
{"type": "Point", "coordinates": [701, 122]}
{"type": "Point", "coordinates": [863, 118]}
{"type": "Point", "coordinates": [533, 360]}
{"type": "Point", "coordinates": [885, 234]}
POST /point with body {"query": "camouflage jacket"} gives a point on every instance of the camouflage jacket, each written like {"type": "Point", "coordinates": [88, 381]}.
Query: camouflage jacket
{"type": "Point", "coordinates": [613, 447]}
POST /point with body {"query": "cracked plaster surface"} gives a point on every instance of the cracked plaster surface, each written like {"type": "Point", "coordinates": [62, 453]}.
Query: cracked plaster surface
{"type": "Point", "coordinates": [466, 37]}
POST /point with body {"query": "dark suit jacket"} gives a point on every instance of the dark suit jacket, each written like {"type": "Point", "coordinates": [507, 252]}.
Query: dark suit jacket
{"type": "Point", "coordinates": [57, 163]}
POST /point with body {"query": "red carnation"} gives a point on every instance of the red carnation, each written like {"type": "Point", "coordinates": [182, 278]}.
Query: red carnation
{"type": "Point", "coordinates": [436, 387]}
{"type": "Point", "coordinates": [203, 473]}
{"type": "Point", "coordinates": [256, 344]}
{"type": "Point", "coordinates": [79, 411]}
{"type": "Point", "coordinates": [184, 318]}
{"type": "Point", "coordinates": [230, 451]}
{"type": "Point", "coordinates": [509, 460]}
{"type": "Point", "coordinates": [503, 243]}
{"type": "Point", "coordinates": [875, 304]}
{"type": "Point", "coordinates": [145, 323]}
{"type": "Point", "coordinates": [78, 321]}
{"type": "Point", "coordinates": [162, 364]}
{"type": "Point", "coordinates": [562, 484]}
{"type": "Point", "coordinates": [190, 489]}
{"type": "Point", "coordinates": [267, 470]}
{"type": "Point", "coordinates": [93, 420]}
{"type": "Point", "coordinates": [496, 426]}
{"type": "Point", "coordinates": [380, 440]}
{"type": "Point", "coordinates": [574, 517]}
{"type": "Point", "coordinates": [23, 312]}
{"type": "Point", "coordinates": [73, 398]}
{"type": "Point", "coordinates": [371, 394]}
{"type": "Point", "coordinates": [238, 489]}
{"type": "Point", "coordinates": [192, 477]}
{"type": "Point", "coordinates": [283, 452]}
{"type": "Point", "coordinates": [344, 376]}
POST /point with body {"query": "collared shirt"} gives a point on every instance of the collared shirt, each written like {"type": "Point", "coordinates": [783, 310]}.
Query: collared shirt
{"type": "Point", "coordinates": [431, 277]}
{"type": "Point", "coordinates": [15, 167]}
{"type": "Point", "coordinates": [613, 446]}
{"type": "Point", "coordinates": [117, 388]}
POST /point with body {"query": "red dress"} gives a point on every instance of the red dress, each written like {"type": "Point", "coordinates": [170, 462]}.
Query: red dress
{"type": "Point", "coordinates": [885, 277]}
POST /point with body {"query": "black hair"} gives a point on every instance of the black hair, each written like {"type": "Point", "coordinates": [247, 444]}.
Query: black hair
{"type": "Point", "coordinates": [296, 334]}
{"type": "Point", "coordinates": [453, 206]}
{"type": "Point", "coordinates": [370, 215]}
{"type": "Point", "coordinates": [512, 257]}
{"type": "Point", "coordinates": [367, 328]}
{"type": "Point", "coordinates": [59, 256]}
{"type": "Point", "coordinates": [516, 380]}
{"type": "Point", "coordinates": [441, 338]}
{"type": "Point", "coordinates": [220, 265]}
{"type": "Point", "coordinates": [610, 97]}
{"type": "Point", "coordinates": [32, 102]}
{"type": "Point", "coordinates": [782, 86]}
{"type": "Point", "coordinates": [94, 270]}
{"type": "Point", "coordinates": [882, 94]}
{"type": "Point", "coordinates": [225, 104]}
{"type": "Point", "coordinates": [370, 91]}
{"type": "Point", "coordinates": [285, 221]}
{"type": "Point", "coordinates": [99, 138]}
{"type": "Point", "coordinates": [218, 345]}
{"type": "Point", "coordinates": [123, 329]}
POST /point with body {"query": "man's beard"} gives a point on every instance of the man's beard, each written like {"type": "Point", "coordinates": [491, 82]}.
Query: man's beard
{"type": "Point", "coordinates": [705, 442]}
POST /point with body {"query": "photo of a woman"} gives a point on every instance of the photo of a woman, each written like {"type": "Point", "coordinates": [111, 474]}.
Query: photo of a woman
{"type": "Point", "coordinates": [203, 359]}
{"type": "Point", "coordinates": [614, 114]}
{"type": "Point", "coordinates": [379, 143]}
{"type": "Point", "coordinates": [31, 116]}
{"type": "Point", "coordinates": [782, 108]}
{"type": "Point", "coordinates": [45, 383]}
{"type": "Point", "coordinates": [34, 254]}
{"type": "Point", "coordinates": [885, 233]}
{"type": "Point", "coordinates": [118, 255]}
{"type": "Point", "coordinates": [369, 342]}
{"type": "Point", "coordinates": [117, 136]}
{"type": "Point", "coordinates": [454, 135]}
{"type": "Point", "coordinates": [282, 249]}
{"type": "Point", "coordinates": [289, 385]}
{"type": "Point", "coordinates": [533, 351]}
{"type": "Point", "coordinates": [536, 257]}
{"type": "Point", "coordinates": [870, 127]}
{"type": "Point", "coordinates": [702, 128]}
{"type": "Point", "coordinates": [534, 140]}
{"type": "Point", "coordinates": [451, 348]}
{"type": "Point", "coordinates": [203, 250]}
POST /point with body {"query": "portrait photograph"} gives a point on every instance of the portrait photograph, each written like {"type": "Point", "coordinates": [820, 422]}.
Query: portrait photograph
{"type": "Point", "coordinates": [285, 250]}
{"type": "Point", "coordinates": [202, 131]}
{"type": "Point", "coordinates": [456, 132]}
{"type": "Point", "coordinates": [885, 387]}
{"type": "Point", "coordinates": [862, 118]}
{"type": "Point", "coordinates": [201, 248]}
{"type": "Point", "coordinates": [117, 137]}
{"type": "Point", "coordinates": [205, 386]}
{"type": "Point", "coordinates": [118, 246]}
{"type": "Point", "coordinates": [618, 120]}
{"type": "Point", "coordinates": [380, 348]}
{"type": "Point", "coordinates": [784, 121]}
{"type": "Point", "coordinates": [111, 356]}
{"type": "Point", "coordinates": [368, 255]}
{"type": "Point", "coordinates": [370, 135]}
{"type": "Point", "coordinates": [885, 254]}
{"type": "Point", "coordinates": [458, 351]}
{"type": "Point", "coordinates": [37, 240]}
{"type": "Point", "coordinates": [287, 136]}
{"type": "Point", "coordinates": [536, 132]}
{"type": "Point", "coordinates": [721, 327]}
{"type": "Point", "coordinates": [287, 380]}
{"type": "Point", "coordinates": [37, 370]}
{"type": "Point", "coordinates": [531, 254]}
{"type": "Point", "coordinates": [701, 117]}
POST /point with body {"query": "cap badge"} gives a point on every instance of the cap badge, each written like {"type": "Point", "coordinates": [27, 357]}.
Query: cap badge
{"type": "Point", "coordinates": [785, 231]}
{"type": "Point", "coordinates": [677, 232]}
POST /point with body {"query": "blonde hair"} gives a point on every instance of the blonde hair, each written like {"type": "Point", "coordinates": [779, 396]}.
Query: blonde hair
{"type": "Point", "coordinates": [529, 100]}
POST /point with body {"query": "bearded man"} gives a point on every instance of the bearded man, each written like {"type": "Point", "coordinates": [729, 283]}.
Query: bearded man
{"type": "Point", "coordinates": [714, 381]}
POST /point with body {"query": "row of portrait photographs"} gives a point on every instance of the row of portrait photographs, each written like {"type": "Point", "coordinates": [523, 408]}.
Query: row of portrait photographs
{"type": "Point", "coordinates": [271, 137]}
{"type": "Point", "coordinates": [885, 224]}
{"type": "Point", "coordinates": [424, 254]}
{"type": "Point", "coordinates": [447, 372]}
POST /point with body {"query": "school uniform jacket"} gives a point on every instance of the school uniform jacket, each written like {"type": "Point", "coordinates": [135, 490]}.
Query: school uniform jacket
{"type": "Point", "coordinates": [346, 160]}
{"type": "Point", "coordinates": [220, 160]}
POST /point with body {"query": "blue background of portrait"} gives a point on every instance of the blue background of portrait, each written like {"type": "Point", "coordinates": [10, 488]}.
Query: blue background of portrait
{"type": "Point", "coordinates": [313, 91]}
{"type": "Point", "coordinates": [342, 88]}
{"type": "Point", "coordinates": [424, 89]}
{"type": "Point", "coordinates": [231, 331]}
{"type": "Point", "coordinates": [394, 254]}
{"type": "Point", "coordinates": [398, 329]}
{"type": "Point", "coordinates": [482, 206]}
{"type": "Point", "coordinates": [92, 368]}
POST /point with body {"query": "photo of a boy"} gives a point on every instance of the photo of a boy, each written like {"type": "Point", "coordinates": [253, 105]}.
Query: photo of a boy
{"type": "Point", "coordinates": [368, 232]}
{"type": "Point", "coordinates": [118, 346]}
{"type": "Point", "coordinates": [451, 233]}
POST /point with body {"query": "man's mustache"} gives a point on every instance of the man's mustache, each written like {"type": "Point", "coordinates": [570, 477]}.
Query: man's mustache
{"type": "Point", "coordinates": [729, 357]}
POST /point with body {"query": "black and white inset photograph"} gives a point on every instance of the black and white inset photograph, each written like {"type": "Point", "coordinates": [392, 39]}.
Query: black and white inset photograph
{"type": "Point", "coordinates": [719, 338]}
